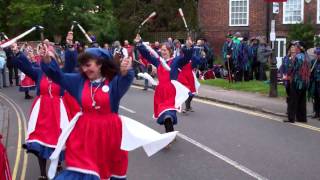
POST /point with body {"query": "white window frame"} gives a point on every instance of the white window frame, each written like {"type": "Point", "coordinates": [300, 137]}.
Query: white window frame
{"type": "Point", "coordinates": [248, 11]}
{"type": "Point", "coordinates": [318, 13]}
{"type": "Point", "coordinates": [295, 22]}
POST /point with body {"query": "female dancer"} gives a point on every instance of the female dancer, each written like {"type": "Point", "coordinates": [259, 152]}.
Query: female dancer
{"type": "Point", "coordinates": [97, 139]}
{"type": "Point", "coordinates": [169, 95]}
{"type": "Point", "coordinates": [26, 83]}
{"type": "Point", "coordinates": [93, 145]}
{"type": "Point", "coordinates": [48, 115]}
{"type": "Point", "coordinates": [188, 78]}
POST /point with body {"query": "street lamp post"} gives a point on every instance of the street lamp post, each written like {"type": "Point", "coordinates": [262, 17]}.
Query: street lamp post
{"type": "Point", "coordinates": [273, 92]}
{"type": "Point", "coordinates": [273, 74]}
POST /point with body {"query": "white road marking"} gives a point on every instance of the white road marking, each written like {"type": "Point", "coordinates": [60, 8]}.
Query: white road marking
{"type": "Point", "coordinates": [218, 155]}
{"type": "Point", "coordinates": [127, 109]}
{"type": "Point", "coordinates": [223, 158]}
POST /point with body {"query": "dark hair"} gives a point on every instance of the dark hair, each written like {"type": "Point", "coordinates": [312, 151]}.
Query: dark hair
{"type": "Point", "coordinates": [109, 68]}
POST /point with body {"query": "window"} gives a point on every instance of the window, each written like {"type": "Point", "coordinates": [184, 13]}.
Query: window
{"type": "Point", "coordinates": [239, 12]}
{"type": "Point", "coordinates": [293, 11]}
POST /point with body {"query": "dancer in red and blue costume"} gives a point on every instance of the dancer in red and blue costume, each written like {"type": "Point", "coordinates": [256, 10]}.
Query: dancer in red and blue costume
{"type": "Point", "coordinates": [48, 114]}
{"type": "Point", "coordinates": [26, 83]}
{"type": "Point", "coordinates": [188, 78]}
{"type": "Point", "coordinates": [94, 135]}
{"type": "Point", "coordinates": [169, 95]}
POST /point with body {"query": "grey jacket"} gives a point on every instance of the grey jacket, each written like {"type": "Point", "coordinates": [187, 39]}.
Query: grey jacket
{"type": "Point", "coordinates": [263, 53]}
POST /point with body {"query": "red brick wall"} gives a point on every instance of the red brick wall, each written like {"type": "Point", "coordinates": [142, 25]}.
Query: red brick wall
{"type": "Point", "coordinates": [214, 20]}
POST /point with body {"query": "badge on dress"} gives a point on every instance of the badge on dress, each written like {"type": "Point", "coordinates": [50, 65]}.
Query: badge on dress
{"type": "Point", "coordinates": [105, 88]}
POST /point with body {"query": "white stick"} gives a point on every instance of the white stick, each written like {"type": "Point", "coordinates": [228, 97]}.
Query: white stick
{"type": "Point", "coordinates": [9, 43]}
{"type": "Point", "coordinates": [146, 20]}
{"type": "Point", "coordinates": [183, 19]}
{"type": "Point", "coordinates": [5, 36]}
{"type": "Point", "coordinates": [85, 33]}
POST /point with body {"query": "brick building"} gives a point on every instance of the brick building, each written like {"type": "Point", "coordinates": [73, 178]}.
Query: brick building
{"type": "Point", "coordinates": [250, 17]}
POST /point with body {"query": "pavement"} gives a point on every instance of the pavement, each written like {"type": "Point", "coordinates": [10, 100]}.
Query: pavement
{"type": "Point", "coordinates": [4, 122]}
{"type": "Point", "coordinates": [252, 101]}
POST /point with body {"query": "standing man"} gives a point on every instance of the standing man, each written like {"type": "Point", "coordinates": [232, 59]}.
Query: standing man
{"type": "Point", "coordinates": [244, 60]}
{"type": "Point", "coordinates": [263, 54]}
{"type": "Point", "coordinates": [13, 70]}
{"type": "Point", "coordinates": [227, 56]}
{"type": "Point", "coordinates": [238, 70]}
{"type": "Point", "coordinates": [254, 74]}
{"type": "Point", "coordinates": [118, 49]}
{"type": "Point", "coordinates": [314, 88]}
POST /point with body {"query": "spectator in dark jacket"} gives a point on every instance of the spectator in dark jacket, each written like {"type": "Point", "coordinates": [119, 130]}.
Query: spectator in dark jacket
{"type": "Point", "coordinates": [13, 70]}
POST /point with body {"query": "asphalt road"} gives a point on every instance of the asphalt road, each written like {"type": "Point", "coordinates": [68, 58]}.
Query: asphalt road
{"type": "Point", "coordinates": [216, 142]}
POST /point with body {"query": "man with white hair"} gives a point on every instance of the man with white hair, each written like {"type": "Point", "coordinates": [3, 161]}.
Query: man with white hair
{"type": "Point", "coordinates": [118, 49]}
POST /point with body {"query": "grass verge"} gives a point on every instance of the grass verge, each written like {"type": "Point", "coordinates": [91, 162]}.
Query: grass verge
{"type": "Point", "coordinates": [250, 86]}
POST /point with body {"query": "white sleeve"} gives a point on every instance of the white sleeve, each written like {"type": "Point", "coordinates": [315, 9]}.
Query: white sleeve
{"type": "Point", "coordinates": [125, 52]}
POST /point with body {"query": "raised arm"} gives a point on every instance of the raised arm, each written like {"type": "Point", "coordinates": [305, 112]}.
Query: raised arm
{"type": "Point", "coordinates": [120, 84]}
{"type": "Point", "coordinates": [23, 63]}
{"type": "Point", "coordinates": [70, 63]}
{"type": "Point", "coordinates": [147, 55]}
{"type": "Point", "coordinates": [69, 81]}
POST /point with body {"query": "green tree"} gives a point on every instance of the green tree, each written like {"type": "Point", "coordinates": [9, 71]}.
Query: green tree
{"type": "Point", "coordinates": [130, 13]}
{"type": "Point", "coordinates": [107, 19]}
{"type": "Point", "coordinates": [23, 14]}
{"type": "Point", "coordinates": [304, 32]}
{"type": "Point", "coordinates": [95, 16]}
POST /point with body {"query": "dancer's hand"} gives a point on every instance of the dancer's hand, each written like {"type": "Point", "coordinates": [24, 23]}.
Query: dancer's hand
{"type": "Point", "coordinates": [137, 39]}
{"type": "Point", "coordinates": [125, 66]}
{"type": "Point", "coordinates": [154, 70]}
{"type": "Point", "coordinates": [46, 54]}
{"type": "Point", "coordinates": [69, 38]}
{"type": "Point", "coordinates": [189, 42]}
